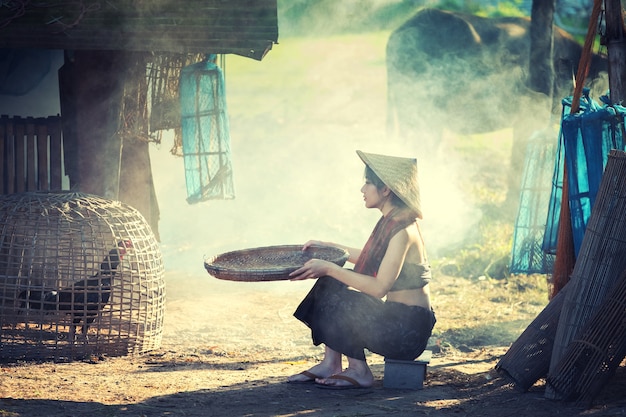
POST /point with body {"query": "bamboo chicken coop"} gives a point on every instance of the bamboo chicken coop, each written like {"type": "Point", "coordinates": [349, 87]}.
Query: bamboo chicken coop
{"type": "Point", "coordinates": [80, 275]}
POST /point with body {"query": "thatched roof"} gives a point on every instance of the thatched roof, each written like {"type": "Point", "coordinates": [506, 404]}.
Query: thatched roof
{"type": "Point", "coordinates": [244, 27]}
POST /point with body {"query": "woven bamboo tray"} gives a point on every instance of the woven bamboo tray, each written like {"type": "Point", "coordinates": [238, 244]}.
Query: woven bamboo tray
{"type": "Point", "coordinates": [270, 263]}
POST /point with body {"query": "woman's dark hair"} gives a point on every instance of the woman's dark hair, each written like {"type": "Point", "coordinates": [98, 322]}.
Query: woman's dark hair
{"type": "Point", "coordinates": [371, 176]}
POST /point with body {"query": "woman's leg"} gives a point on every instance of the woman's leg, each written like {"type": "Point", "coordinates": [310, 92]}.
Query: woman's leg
{"type": "Point", "coordinates": [330, 364]}
{"type": "Point", "coordinates": [358, 373]}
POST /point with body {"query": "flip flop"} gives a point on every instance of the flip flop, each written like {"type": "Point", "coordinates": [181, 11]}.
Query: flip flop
{"type": "Point", "coordinates": [310, 375]}
{"type": "Point", "coordinates": [353, 383]}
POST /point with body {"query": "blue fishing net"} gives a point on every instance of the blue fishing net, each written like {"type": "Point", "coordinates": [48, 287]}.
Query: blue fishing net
{"type": "Point", "coordinates": [205, 133]}
{"type": "Point", "coordinates": [585, 141]}
{"type": "Point", "coordinates": [527, 256]}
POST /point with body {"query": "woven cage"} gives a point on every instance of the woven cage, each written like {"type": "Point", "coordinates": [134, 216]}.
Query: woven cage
{"type": "Point", "coordinates": [163, 74]}
{"type": "Point", "coordinates": [528, 358]}
{"type": "Point", "coordinates": [162, 78]}
{"type": "Point", "coordinates": [79, 275]}
{"type": "Point", "coordinates": [592, 359]}
{"type": "Point", "coordinates": [601, 259]}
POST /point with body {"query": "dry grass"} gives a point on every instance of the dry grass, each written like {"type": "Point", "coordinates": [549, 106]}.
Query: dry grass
{"type": "Point", "coordinates": [474, 313]}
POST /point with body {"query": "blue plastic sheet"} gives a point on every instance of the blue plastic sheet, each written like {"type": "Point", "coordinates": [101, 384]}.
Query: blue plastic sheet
{"type": "Point", "coordinates": [205, 133]}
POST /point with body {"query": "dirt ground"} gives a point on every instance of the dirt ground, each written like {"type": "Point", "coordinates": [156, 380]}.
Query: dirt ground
{"type": "Point", "coordinates": [228, 348]}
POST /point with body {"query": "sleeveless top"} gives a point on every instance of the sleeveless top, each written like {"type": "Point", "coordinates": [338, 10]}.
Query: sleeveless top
{"type": "Point", "coordinates": [412, 277]}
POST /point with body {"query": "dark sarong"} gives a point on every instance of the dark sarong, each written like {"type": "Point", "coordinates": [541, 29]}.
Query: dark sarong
{"type": "Point", "coordinates": [350, 321]}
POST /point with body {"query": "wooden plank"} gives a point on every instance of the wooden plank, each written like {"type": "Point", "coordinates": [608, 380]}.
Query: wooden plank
{"type": "Point", "coordinates": [3, 141]}
{"type": "Point", "coordinates": [10, 155]}
{"type": "Point", "coordinates": [56, 161]}
{"type": "Point", "coordinates": [31, 167]}
{"type": "Point", "coordinates": [165, 41]}
{"type": "Point", "coordinates": [43, 183]}
{"type": "Point", "coordinates": [20, 149]}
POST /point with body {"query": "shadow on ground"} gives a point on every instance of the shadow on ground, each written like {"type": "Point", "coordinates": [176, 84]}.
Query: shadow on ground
{"type": "Point", "coordinates": [447, 392]}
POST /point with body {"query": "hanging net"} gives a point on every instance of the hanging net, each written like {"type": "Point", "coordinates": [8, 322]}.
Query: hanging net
{"type": "Point", "coordinates": [527, 255]}
{"type": "Point", "coordinates": [584, 144]}
{"type": "Point", "coordinates": [205, 133]}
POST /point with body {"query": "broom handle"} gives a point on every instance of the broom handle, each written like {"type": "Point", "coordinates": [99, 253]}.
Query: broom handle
{"type": "Point", "coordinates": [585, 58]}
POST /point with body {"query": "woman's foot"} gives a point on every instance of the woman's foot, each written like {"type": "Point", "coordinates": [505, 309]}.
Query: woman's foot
{"type": "Point", "coordinates": [320, 370]}
{"type": "Point", "coordinates": [350, 378]}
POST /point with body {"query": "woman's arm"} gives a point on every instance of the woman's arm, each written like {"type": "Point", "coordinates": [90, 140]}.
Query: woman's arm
{"type": "Point", "coordinates": [376, 286]}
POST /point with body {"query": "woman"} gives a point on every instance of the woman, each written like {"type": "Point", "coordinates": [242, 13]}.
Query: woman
{"type": "Point", "coordinates": [345, 308]}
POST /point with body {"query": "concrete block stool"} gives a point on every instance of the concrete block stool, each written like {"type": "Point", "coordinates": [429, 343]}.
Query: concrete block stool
{"type": "Point", "coordinates": [406, 374]}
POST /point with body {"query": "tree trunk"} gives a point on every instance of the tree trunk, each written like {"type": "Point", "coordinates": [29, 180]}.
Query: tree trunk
{"type": "Point", "coordinates": [616, 46]}
{"type": "Point", "coordinates": [541, 71]}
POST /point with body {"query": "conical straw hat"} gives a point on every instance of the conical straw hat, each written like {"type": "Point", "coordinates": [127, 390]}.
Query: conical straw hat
{"type": "Point", "coordinates": [399, 174]}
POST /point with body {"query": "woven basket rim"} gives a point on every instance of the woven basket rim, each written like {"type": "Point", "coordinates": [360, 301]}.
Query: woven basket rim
{"type": "Point", "coordinates": [292, 255]}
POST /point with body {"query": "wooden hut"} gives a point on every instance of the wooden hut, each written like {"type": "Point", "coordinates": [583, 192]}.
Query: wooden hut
{"type": "Point", "coordinates": [109, 106]}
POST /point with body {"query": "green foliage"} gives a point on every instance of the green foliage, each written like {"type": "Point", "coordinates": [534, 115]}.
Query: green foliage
{"type": "Point", "coordinates": [484, 8]}
{"type": "Point", "coordinates": [311, 17]}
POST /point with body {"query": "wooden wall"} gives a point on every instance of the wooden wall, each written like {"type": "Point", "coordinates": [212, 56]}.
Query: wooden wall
{"type": "Point", "coordinates": [30, 154]}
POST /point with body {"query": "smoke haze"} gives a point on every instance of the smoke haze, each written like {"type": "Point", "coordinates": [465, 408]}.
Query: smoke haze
{"type": "Point", "coordinates": [296, 120]}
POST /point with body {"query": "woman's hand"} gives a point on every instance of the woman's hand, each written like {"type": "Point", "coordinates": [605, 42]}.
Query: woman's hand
{"type": "Point", "coordinates": [313, 242]}
{"type": "Point", "coordinates": [312, 269]}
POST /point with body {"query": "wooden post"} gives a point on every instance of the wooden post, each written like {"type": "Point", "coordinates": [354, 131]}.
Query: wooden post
{"type": "Point", "coordinates": [20, 165]}
{"type": "Point", "coordinates": [100, 160]}
{"type": "Point", "coordinates": [31, 183]}
{"type": "Point", "coordinates": [43, 157]}
{"type": "Point", "coordinates": [91, 91]}
{"type": "Point", "coordinates": [54, 132]}
{"type": "Point", "coordinates": [3, 161]}
{"type": "Point", "coordinates": [9, 156]}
